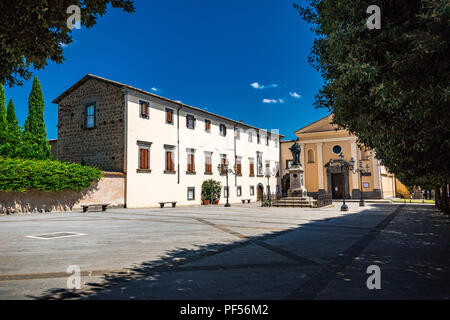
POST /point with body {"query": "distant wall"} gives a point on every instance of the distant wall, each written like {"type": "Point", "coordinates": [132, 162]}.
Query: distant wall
{"type": "Point", "coordinates": [110, 189]}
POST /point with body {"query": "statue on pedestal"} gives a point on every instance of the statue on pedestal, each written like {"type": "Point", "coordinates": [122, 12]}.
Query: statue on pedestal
{"type": "Point", "coordinates": [296, 150]}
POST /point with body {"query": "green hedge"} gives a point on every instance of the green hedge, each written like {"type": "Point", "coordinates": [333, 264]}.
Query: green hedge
{"type": "Point", "coordinates": [46, 175]}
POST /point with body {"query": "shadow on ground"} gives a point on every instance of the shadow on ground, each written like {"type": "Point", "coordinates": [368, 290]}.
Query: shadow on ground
{"type": "Point", "coordinates": [297, 263]}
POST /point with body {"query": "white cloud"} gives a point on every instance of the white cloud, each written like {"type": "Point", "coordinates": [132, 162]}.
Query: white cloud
{"type": "Point", "coordinates": [295, 95]}
{"type": "Point", "coordinates": [273, 101]}
{"type": "Point", "coordinates": [155, 89]}
{"type": "Point", "coordinates": [256, 85]}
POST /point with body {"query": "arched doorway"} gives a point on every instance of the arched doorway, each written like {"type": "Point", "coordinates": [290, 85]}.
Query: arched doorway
{"type": "Point", "coordinates": [260, 192]}
{"type": "Point", "coordinates": [285, 185]}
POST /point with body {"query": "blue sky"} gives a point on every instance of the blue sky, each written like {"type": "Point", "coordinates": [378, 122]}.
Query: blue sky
{"type": "Point", "coordinates": [246, 60]}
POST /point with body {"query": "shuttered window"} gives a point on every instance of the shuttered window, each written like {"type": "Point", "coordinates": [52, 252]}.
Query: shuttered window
{"type": "Point", "coordinates": [144, 109]}
{"type": "Point", "coordinates": [191, 162]}
{"type": "Point", "coordinates": [169, 161]}
{"type": "Point", "coordinates": [144, 158]}
{"type": "Point", "coordinates": [223, 130]}
{"type": "Point", "coordinates": [252, 168]}
{"type": "Point", "coordinates": [238, 166]}
{"type": "Point", "coordinates": [208, 163]}
{"type": "Point", "coordinates": [169, 116]}
{"type": "Point", "coordinates": [207, 125]}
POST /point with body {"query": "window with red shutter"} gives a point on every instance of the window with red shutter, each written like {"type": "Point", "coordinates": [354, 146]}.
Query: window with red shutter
{"type": "Point", "coordinates": [144, 109]}
{"type": "Point", "coordinates": [252, 168]}
{"type": "Point", "coordinates": [169, 116]}
{"type": "Point", "coordinates": [143, 164]}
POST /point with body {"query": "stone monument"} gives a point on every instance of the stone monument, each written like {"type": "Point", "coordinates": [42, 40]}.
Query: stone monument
{"type": "Point", "coordinates": [296, 174]}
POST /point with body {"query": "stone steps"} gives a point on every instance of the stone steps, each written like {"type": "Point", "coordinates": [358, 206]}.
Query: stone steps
{"type": "Point", "coordinates": [300, 202]}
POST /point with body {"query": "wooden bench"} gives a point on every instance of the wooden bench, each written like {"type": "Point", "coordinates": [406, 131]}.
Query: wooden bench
{"type": "Point", "coordinates": [174, 203]}
{"type": "Point", "coordinates": [243, 200]}
{"type": "Point", "coordinates": [103, 205]}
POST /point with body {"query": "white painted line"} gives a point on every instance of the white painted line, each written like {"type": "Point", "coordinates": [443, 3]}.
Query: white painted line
{"type": "Point", "coordinates": [64, 235]}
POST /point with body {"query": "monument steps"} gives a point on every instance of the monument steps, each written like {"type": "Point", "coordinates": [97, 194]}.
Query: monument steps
{"type": "Point", "coordinates": [299, 202]}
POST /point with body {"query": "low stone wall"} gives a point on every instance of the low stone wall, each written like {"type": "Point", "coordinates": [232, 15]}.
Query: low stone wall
{"type": "Point", "coordinates": [110, 189]}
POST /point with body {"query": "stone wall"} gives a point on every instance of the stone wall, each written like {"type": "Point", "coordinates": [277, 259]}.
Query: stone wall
{"type": "Point", "coordinates": [110, 189]}
{"type": "Point", "coordinates": [102, 146]}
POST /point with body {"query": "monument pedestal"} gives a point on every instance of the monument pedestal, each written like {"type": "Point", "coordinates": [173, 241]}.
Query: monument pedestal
{"type": "Point", "coordinates": [297, 182]}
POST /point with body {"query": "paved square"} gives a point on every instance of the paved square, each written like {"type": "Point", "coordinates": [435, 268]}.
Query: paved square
{"type": "Point", "coordinates": [242, 252]}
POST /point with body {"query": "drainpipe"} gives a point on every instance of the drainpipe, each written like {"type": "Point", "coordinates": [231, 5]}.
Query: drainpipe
{"type": "Point", "coordinates": [125, 144]}
{"type": "Point", "coordinates": [178, 143]}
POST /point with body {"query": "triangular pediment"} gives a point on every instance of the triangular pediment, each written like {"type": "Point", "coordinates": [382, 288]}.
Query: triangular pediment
{"type": "Point", "coordinates": [321, 125]}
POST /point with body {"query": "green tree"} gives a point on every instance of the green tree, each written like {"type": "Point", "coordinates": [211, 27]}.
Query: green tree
{"type": "Point", "coordinates": [388, 86]}
{"type": "Point", "coordinates": [2, 107]}
{"type": "Point", "coordinates": [11, 119]}
{"type": "Point", "coordinates": [35, 144]}
{"type": "Point", "coordinates": [33, 32]}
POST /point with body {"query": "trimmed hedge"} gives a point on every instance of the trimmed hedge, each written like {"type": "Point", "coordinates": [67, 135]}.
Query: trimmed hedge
{"type": "Point", "coordinates": [46, 175]}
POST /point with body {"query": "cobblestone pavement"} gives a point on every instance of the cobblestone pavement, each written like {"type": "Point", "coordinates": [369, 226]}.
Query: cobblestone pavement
{"type": "Point", "coordinates": [242, 252]}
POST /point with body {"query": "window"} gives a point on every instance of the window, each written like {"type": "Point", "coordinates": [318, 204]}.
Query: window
{"type": "Point", "coordinates": [190, 121]}
{"type": "Point", "coordinates": [250, 136]}
{"type": "Point", "coordinates": [223, 162]}
{"type": "Point", "coordinates": [239, 191]}
{"type": "Point", "coordinates": [191, 161]}
{"type": "Point", "coordinates": [337, 149]}
{"type": "Point", "coordinates": [267, 167]}
{"type": "Point", "coordinates": [252, 166]}
{"type": "Point", "coordinates": [90, 115]}
{"type": "Point", "coordinates": [223, 130]}
{"type": "Point", "coordinates": [144, 109]}
{"type": "Point", "coordinates": [225, 191]}
{"type": "Point", "coordinates": [238, 134]}
{"type": "Point", "coordinates": [289, 164]}
{"type": "Point", "coordinates": [275, 142]}
{"type": "Point", "coordinates": [252, 190]}
{"type": "Point", "coordinates": [310, 156]}
{"type": "Point", "coordinates": [259, 163]}
{"type": "Point", "coordinates": [169, 116]}
{"type": "Point", "coordinates": [169, 160]}
{"type": "Point", "coordinates": [239, 166]}
{"type": "Point", "coordinates": [267, 139]}
{"type": "Point", "coordinates": [258, 138]}
{"type": "Point", "coordinates": [207, 125]}
{"type": "Point", "coordinates": [208, 162]}
{"type": "Point", "coordinates": [191, 193]}
{"type": "Point", "coordinates": [144, 155]}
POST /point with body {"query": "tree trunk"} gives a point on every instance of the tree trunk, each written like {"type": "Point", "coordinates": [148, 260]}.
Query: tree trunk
{"type": "Point", "coordinates": [437, 197]}
{"type": "Point", "coordinates": [446, 200]}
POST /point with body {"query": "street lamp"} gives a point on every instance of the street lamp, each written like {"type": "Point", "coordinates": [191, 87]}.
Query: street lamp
{"type": "Point", "coordinates": [362, 172]}
{"type": "Point", "coordinates": [343, 166]}
{"type": "Point", "coordinates": [225, 170]}
{"type": "Point", "coordinates": [268, 175]}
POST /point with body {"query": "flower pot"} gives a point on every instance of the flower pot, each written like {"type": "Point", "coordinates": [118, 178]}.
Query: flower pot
{"type": "Point", "coordinates": [216, 201]}
{"type": "Point", "coordinates": [205, 202]}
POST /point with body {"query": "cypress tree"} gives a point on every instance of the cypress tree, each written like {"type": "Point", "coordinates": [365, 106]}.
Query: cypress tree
{"type": "Point", "coordinates": [2, 108]}
{"type": "Point", "coordinates": [34, 135]}
{"type": "Point", "coordinates": [11, 119]}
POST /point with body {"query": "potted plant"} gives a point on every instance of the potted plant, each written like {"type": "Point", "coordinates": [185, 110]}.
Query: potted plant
{"type": "Point", "coordinates": [211, 191]}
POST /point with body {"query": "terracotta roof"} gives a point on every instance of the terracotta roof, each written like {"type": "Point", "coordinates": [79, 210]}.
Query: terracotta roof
{"type": "Point", "coordinates": [125, 86]}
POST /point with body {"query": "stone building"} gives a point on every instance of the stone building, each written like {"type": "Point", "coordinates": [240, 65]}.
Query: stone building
{"type": "Point", "coordinates": [165, 148]}
{"type": "Point", "coordinates": [321, 141]}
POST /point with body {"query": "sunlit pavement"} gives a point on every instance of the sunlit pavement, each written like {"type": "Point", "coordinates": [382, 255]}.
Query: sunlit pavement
{"type": "Point", "coordinates": [242, 252]}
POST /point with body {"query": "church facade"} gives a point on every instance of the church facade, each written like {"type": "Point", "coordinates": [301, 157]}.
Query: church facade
{"type": "Point", "coordinates": [322, 142]}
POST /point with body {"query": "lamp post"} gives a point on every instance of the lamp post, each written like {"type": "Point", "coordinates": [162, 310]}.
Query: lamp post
{"type": "Point", "coordinates": [343, 166]}
{"type": "Point", "coordinates": [225, 170]}
{"type": "Point", "coordinates": [362, 172]}
{"type": "Point", "coordinates": [268, 185]}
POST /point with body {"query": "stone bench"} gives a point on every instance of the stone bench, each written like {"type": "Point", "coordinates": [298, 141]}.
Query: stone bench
{"type": "Point", "coordinates": [243, 200]}
{"type": "Point", "coordinates": [174, 203]}
{"type": "Point", "coordinates": [98, 205]}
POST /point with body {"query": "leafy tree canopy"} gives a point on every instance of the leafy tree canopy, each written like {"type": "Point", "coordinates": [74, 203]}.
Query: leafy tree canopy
{"type": "Point", "coordinates": [388, 86]}
{"type": "Point", "coordinates": [33, 32]}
